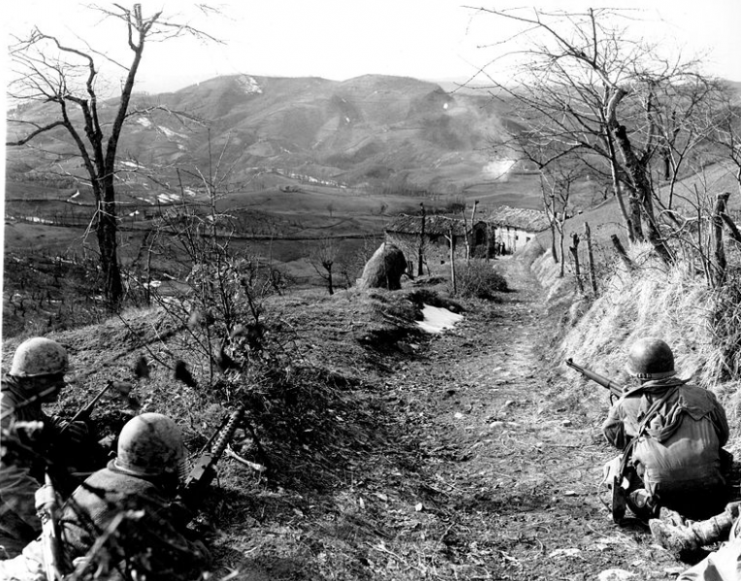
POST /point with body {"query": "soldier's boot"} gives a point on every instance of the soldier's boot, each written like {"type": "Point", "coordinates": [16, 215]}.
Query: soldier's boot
{"type": "Point", "coordinates": [691, 536]}
{"type": "Point", "coordinates": [643, 505]}
{"type": "Point", "coordinates": [671, 517]}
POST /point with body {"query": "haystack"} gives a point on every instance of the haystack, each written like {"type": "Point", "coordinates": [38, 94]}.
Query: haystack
{"type": "Point", "coordinates": [384, 269]}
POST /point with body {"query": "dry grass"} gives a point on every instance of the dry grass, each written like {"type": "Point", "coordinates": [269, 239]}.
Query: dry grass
{"type": "Point", "coordinates": [700, 324]}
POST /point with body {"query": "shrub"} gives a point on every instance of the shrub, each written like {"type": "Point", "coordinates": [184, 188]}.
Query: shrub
{"type": "Point", "coordinates": [477, 278]}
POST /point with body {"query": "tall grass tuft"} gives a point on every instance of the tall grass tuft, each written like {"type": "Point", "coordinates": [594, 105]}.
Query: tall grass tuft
{"type": "Point", "coordinates": [476, 278]}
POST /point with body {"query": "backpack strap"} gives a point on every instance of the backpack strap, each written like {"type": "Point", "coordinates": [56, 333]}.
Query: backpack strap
{"type": "Point", "coordinates": [652, 411]}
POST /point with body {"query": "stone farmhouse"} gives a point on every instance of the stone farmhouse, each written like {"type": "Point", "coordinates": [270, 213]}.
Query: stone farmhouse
{"type": "Point", "coordinates": [405, 232]}
{"type": "Point", "coordinates": [512, 228]}
{"type": "Point", "coordinates": [502, 231]}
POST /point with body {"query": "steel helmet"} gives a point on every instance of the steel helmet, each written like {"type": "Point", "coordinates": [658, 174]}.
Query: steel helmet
{"type": "Point", "coordinates": [151, 445]}
{"type": "Point", "coordinates": [650, 358]}
{"type": "Point", "coordinates": [38, 357]}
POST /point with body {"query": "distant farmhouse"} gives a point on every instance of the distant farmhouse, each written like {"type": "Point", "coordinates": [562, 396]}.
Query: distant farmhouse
{"type": "Point", "coordinates": [513, 228]}
{"type": "Point", "coordinates": [503, 231]}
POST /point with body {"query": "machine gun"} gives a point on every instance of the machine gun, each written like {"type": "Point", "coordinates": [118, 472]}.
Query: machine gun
{"type": "Point", "coordinates": [204, 470]}
{"type": "Point", "coordinates": [616, 390]}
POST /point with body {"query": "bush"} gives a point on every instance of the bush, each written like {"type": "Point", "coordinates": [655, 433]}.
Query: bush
{"type": "Point", "coordinates": [477, 278]}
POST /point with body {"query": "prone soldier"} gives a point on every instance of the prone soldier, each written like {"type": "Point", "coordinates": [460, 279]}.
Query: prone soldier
{"type": "Point", "coordinates": [36, 377]}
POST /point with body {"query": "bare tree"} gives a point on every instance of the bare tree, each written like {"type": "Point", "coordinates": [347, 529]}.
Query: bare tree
{"type": "Point", "coordinates": [556, 183]}
{"type": "Point", "coordinates": [325, 254]}
{"type": "Point", "coordinates": [585, 89]}
{"type": "Point", "coordinates": [65, 79]}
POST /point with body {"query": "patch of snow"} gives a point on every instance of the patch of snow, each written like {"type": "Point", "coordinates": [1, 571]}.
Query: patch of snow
{"type": "Point", "coordinates": [170, 133]}
{"type": "Point", "coordinates": [168, 197]}
{"type": "Point", "coordinates": [615, 575]}
{"type": "Point", "coordinates": [144, 122]}
{"type": "Point", "coordinates": [249, 85]}
{"type": "Point", "coordinates": [437, 319]}
{"type": "Point", "coordinates": [73, 196]}
{"type": "Point", "coordinates": [131, 164]}
{"type": "Point", "coordinates": [38, 220]}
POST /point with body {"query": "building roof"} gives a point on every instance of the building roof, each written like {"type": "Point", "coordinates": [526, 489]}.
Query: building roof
{"type": "Point", "coordinates": [435, 225]}
{"type": "Point", "coordinates": [520, 218]}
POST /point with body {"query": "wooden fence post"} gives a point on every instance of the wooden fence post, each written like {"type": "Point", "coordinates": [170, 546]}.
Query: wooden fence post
{"type": "Point", "coordinates": [621, 252]}
{"type": "Point", "coordinates": [590, 255]}
{"type": "Point", "coordinates": [574, 248]}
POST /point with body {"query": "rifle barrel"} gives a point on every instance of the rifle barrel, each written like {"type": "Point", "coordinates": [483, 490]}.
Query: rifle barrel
{"type": "Point", "coordinates": [605, 382]}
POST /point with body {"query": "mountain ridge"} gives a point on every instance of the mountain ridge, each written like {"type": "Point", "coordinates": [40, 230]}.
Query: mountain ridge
{"type": "Point", "coordinates": [395, 132]}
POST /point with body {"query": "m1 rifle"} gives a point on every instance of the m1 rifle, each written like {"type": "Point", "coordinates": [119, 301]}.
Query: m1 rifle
{"type": "Point", "coordinates": [122, 388]}
{"type": "Point", "coordinates": [204, 469]}
{"type": "Point", "coordinates": [616, 390]}
{"type": "Point", "coordinates": [47, 508]}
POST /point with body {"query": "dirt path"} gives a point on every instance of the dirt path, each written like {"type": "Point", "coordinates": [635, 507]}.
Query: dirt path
{"type": "Point", "coordinates": [464, 460]}
{"type": "Point", "coordinates": [513, 471]}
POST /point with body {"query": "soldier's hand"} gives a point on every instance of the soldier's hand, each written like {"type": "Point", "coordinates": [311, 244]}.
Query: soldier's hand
{"type": "Point", "coordinates": [76, 432]}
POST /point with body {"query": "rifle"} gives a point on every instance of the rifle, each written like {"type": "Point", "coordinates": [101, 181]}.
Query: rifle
{"type": "Point", "coordinates": [55, 565]}
{"type": "Point", "coordinates": [122, 388]}
{"type": "Point", "coordinates": [616, 390]}
{"type": "Point", "coordinates": [84, 414]}
{"type": "Point", "coordinates": [204, 469]}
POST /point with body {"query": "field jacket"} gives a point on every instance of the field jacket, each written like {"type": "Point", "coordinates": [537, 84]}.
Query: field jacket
{"type": "Point", "coordinates": [149, 525]}
{"type": "Point", "coordinates": [20, 472]}
{"type": "Point", "coordinates": [679, 445]}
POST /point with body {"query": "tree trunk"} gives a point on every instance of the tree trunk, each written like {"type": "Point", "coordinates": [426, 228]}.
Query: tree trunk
{"type": "Point", "coordinates": [590, 255]}
{"type": "Point", "coordinates": [107, 234]}
{"type": "Point", "coordinates": [720, 263]}
{"type": "Point", "coordinates": [554, 250]}
{"type": "Point", "coordinates": [562, 271]}
{"type": "Point", "coordinates": [330, 282]}
{"type": "Point", "coordinates": [644, 195]}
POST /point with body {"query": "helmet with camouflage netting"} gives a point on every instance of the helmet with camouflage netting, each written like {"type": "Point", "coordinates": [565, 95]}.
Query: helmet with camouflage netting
{"type": "Point", "coordinates": [151, 445]}
{"type": "Point", "coordinates": [39, 357]}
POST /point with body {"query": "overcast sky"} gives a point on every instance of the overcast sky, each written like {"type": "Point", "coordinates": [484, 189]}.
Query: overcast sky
{"type": "Point", "coordinates": [341, 39]}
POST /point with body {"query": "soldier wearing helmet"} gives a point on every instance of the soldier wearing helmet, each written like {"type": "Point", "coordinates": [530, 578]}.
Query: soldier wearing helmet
{"type": "Point", "coordinates": [36, 377]}
{"type": "Point", "coordinates": [139, 487]}
{"type": "Point", "coordinates": [671, 434]}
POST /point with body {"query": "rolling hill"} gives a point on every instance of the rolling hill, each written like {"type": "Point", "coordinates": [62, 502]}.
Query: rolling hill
{"type": "Point", "coordinates": [391, 132]}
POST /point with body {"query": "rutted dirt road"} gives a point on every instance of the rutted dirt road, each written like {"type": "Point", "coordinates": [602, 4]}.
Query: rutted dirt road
{"type": "Point", "coordinates": [511, 466]}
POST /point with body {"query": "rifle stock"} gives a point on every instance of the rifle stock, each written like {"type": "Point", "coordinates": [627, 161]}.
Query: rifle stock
{"type": "Point", "coordinates": [204, 471]}
{"type": "Point", "coordinates": [48, 511]}
{"type": "Point", "coordinates": [615, 389]}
